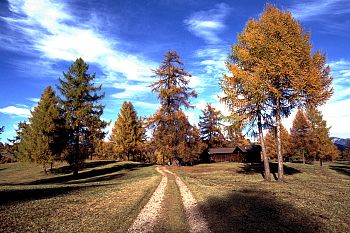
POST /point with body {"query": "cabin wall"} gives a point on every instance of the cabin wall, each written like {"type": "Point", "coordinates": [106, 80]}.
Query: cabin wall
{"type": "Point", "coordinates": [228, 158]}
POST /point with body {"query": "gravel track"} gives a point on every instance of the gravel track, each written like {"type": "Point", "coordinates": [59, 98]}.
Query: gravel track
{"type": "Point", "coordinates": [149, 214]}
{"type": "Point", "coordinates": [147, 218]}
{"type": "Point", "coordinates": [196, 220]}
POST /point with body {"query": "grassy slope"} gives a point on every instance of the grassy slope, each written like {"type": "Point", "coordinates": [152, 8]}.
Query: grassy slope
{"type": "Point", "coordinates": [106, 197]}
{"type": "Point", "coordinates": [235, 198]}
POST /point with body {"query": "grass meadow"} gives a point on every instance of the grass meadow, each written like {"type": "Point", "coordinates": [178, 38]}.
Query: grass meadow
{"type": "Point", "coordinates": [235, 198]}
{"type": "Point", "coordinates": [107, 196]}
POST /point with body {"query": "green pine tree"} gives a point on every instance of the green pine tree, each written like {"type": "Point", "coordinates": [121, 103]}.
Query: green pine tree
{"type": "Point", "coordinates": [82, 112]}
{"type": "Point", "coordinates": [47, 129]}
{"type": "Point", "coordinates": [19, 143]}
{"type": "Point", "coordinates": [209, 127]}
{"type": "Point", "coordinates": [2, 130]}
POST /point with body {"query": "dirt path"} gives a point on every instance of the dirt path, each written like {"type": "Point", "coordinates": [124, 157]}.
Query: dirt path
{"type": "Point", "coordinates": [148, 216]}
{"type": "Point", "coordinates": [195, 218]}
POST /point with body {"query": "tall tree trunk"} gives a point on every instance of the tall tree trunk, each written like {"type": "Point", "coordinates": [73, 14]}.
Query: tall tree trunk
{"type": "Point", "coordinates": [321, 162]}
{"type": "Point", "coordinates": [303, 156]}
{"type": "Point", "coordinates": [267, 175]}
{"type": "Point", "coordinates": [76, 157]}
{"type": "Point", "coordinates": [279, 143]}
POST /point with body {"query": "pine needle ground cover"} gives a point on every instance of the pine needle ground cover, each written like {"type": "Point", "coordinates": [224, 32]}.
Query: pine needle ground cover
{"type": "Point", "coordinates": [235, 198]}
{"type": "Point", "coordinates": [106, 197]}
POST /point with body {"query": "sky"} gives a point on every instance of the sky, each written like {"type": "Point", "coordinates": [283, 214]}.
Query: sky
{"type": "Point", "coordinates": [123, 40]}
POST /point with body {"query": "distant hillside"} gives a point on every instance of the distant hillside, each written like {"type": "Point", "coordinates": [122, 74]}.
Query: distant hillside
{"type": "Point", "coordinates": [341, 143]}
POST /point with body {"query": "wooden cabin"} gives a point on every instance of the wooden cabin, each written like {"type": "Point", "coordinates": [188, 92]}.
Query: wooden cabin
{"type": "Point", "coordinates": [241, 154]}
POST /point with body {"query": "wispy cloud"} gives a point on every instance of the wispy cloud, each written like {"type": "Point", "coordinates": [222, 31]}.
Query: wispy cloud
{"type": "Point", "coordinates": [35, 100]}
{"type": "Point", "coordinates": [15, 111]}
{"type": "Point", "coordinates": [143, 104]}
{"type": "Point", "coordinates": [208, 24]}
{"type": "Point", "coordinates": [316, 9]}
{"type": "Point", "coordinates": [58, 35]}
{"type": "Point", "coordinates": [131, 90]}
{"type": "Point", "coordinates": [340, 71]}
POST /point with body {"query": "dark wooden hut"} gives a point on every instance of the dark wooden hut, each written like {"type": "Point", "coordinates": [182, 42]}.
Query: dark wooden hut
{"type": "Point", "coordinates": [241, 154]}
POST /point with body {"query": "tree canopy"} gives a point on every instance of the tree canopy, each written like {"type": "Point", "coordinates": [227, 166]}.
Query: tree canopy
{"type": "Point", "coordinates": [209, 127]}
{"type": "Point", "coordinates": [128, 132]}
{"type": "Point", "coordinates": [43, 139]}
{"type": "Point", "coordinates": [82, 112]}
{"type": "Point", "coordinates": [274, 71]}
{"type": "Point", "coordinates": [169, 122]}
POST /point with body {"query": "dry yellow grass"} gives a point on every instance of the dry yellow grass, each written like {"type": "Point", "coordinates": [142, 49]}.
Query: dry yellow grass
{"type": "Point", "coordinates": [106, 198]}
{"type": "Point", "coordinates": [235, 198]}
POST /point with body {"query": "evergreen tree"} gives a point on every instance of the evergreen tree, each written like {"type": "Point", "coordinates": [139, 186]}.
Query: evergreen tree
{"type": "Point", "coordinates": [82, 112]}
{"type": "Point", "coordinates": [104, 150]}
{"type": "Point", "coordinates": [20, 142]}
{"type": "Point", "coordinates": [209, 127]}
{"type": "Point", "coordinates": [299, 135]}
{"type": "Point", "coordinates": [44, 139]}
{"type": "Point", "coordinates": [173, 93]}
{"type": "Point", "coordinates": [127, 132]}
{"type": "Point", "coordinates": [234, 133]}
{"type": "Point", "coordinates": [2, 130]}
{"type": "Point", "coordinates": [274, 56]}
{"type": "Point", "coordinates": [321, 146]}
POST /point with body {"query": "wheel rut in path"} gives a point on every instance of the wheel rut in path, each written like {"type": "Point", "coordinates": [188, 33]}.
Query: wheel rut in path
{"type": "Point", "coordinates": [149, 214]}
{"type": "Point", "coordinates": [147, 218]}
{"type": "Point", "coordinates": [195, 218]}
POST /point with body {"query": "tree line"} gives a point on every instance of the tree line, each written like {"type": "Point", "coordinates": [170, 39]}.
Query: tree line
{"type": "Point", "coordinates": [272, 71]}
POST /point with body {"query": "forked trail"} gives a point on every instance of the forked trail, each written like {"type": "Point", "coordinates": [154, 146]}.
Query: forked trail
{"type": "Point", "coordinates": [147, 219]}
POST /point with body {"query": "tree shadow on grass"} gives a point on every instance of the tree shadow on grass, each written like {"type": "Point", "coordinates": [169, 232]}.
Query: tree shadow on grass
{"type": "Point", "coordinates": [251, 168]}
{"type": "Point", "coordinates": [341, 168]}
{"type": "Point", "coordinates": [68, 169]}
{"type": "Point", "coordinates": [256, 211]}
{"type": "Point", "coordinates": [90, 176]}
{"type": "Point", "coordinates": [21, 195]}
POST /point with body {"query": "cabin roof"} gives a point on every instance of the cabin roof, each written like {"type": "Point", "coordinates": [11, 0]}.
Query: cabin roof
{"type": "Point", "coordinates": [231, 150]}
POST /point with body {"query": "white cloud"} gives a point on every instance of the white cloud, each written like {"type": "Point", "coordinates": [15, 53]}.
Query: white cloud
{"type": "Point", "coordinates": [55, 33]}
{"type": "Point", "coordinates": [341, 83]}
{"type": "Point", "coordinates": [35, 100]}
{"type": "Point", "coordinates": [131, 90]}
{"type": "Point", "coordinates": [142, 104]}
{"type": "Point", "coordinates": [337, 115]}
{"type": "Point", "coordinates": [108, 131]}
{"type": "Point", "coordinates": [15, 111]}
{"type": "Point", "coordinates": [212, 61]}
{"type": "Point", "coordinates": [314, 10]}
{"type": "Point", "coordinates": [208, 24]}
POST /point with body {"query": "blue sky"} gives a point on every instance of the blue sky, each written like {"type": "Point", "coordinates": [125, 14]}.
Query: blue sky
{"type": "Point", "coordinates": [123, 40]}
